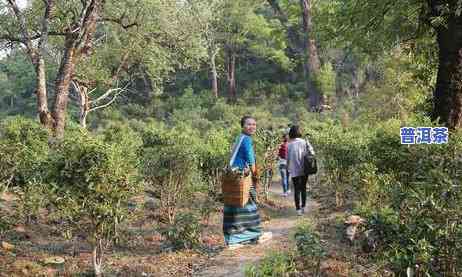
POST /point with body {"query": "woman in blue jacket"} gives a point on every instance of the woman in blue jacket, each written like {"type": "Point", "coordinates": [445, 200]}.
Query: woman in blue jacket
{"type": "Point", "coordinates": [242, 225]}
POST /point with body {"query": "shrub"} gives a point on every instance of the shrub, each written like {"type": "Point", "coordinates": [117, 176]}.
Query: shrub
{"type": "Point", "coordinates": [92, 182]}
{"type": "Point", "coordinates": [185, 233]}
{"type": "Point", "coordinates": [343, 152]}
{"type": "Point", "coordinates": [308, 246]}
{"type": "Point", "coordinates": [214, 156]}
{"type": "Point", "coordinates": [274, 264]}
{"type": "Point", "coordinates": [170, 167]}
{"type": "Point", "coordinates": [23, 150]}
{"type": "Point", "coordinates": [418, 217]}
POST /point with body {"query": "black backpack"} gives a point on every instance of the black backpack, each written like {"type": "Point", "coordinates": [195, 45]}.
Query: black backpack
{"type": "Point", "coordinates": [310, 165]}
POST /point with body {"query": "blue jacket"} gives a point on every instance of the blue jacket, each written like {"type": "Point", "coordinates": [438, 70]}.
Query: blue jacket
{"type": "Point", "coordinates": [245, 156]}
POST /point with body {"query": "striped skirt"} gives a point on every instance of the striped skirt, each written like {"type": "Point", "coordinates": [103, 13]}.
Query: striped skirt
{"type": "Point", "coordinates": [242, 225]}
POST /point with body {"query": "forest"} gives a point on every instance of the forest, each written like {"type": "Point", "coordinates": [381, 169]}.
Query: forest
{"type": "Point", "coordinates": [117, 119]}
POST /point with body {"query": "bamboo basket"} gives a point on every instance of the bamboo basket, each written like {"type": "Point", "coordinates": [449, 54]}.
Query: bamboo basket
{"type": "Point", "coordinates": [236, 189]}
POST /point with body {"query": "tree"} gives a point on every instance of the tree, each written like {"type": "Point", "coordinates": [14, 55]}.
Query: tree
{"type": "Point", "coordinates": [448, 92]}
{"type": "Point", "coordinates": [87, 105]}
{"type": "Point", "coordinates": [375, 26]}
{"type": "Point", "coordinates": [302, 42]}
{"type": "Point", "coordinates": [208, 14]}
{"type": "Point", "coordinates": [245, 30]}
{"type": "Point", "coordinates": [92, 183]}
{"type": "Point", "coordinates": [312, 64]}
{"type": "Point", "coordinates": [75, 33]}
{"type": "Point", "coordinates": [154, 37]}
{"type": "Point", "coordinates": [16, 84]}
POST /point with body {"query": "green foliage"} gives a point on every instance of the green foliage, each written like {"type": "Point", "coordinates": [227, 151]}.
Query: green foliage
{"type": "Point", "coordinates": [185, 232]}
{"type": "Point", "coordinates": [342, 152]}
{"type": "Point", "coordinates": [397, 94]}
{"type": "Point", "coordinates": [410, 194]}
{"type": "Point", "coordinates": [425, 198]}
{"type": "Point", "coordinates": [308, 245]}
{"type": "Point", "coordinates": [32, 197]}
{"type": "Point", "coordinates": [92, 182]}
{"type": "Point", "coordinates": [274, 264]}
{"type": "Point", "coordinates": [23, 148]}
{"type": "Point", "coordinates": [170, 167]}
{"type": "Point", "coordinates": [325, 80]}
{"type": "Point", "coordinates": [126, 138]}
{"type": "Point", "coordinates": [214, 156]}
{"type": "Point", "coordinates": [16, 85]}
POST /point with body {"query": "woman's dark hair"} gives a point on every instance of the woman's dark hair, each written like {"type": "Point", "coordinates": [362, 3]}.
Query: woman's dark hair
{"type": "Point", "coordinates": [244, 119]}
{"type": "Point", "coordinates": [295, 132]}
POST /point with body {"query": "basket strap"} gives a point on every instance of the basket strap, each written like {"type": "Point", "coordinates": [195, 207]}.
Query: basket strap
{"type": "Point", "coordinates": [235, 149]}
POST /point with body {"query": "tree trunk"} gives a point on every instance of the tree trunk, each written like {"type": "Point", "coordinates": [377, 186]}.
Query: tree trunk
{"type": "Point", "coordinates": [41, 91]}
{"type": "Point", "coordinates": [311, 62]}
{"type": "Point", "coordinates": [63, 79]}
{"type": "Point", "coordinates": [97, 255]}
{"type": "Point", "coordinates": [148, 88]}
{"type": "Point", "coordinates": [231, 75]}
{"type": "Point", "coordinates": [448, 92]}
{"type": "Point", "coordinates": [213, 68]}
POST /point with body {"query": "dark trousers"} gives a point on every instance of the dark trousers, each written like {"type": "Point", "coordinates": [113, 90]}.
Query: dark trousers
{"type": "Point", "coordinates": [300, 190]}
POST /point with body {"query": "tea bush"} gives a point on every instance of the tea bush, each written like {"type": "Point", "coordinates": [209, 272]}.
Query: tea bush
{"type": "Point", "coordinates": [274, 264]}
{"type": "Point", "coordinates": [92, 182]}
{"type": "Point", "coordinates": [309, 246]}
{"type": "Point", "coordinates": [23, 150]}
{"type": "Point", "coordinates": [419, 224]}
{"type": "Point", "coordinates": [342, 153]}
{"type": "Point", "coordinates": [170, 167]}
{"type": "Point", "coordinates": [185, 232]}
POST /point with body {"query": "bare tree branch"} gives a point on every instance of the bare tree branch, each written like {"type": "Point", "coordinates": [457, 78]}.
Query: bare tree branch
{"type": "Point", "coordinates": [118, 91]}
{"type": "Point", "coordinates": [107, 93]}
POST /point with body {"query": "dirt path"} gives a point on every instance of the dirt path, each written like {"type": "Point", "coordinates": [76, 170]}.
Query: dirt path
{"type": "Point", "coordinates": [232, 263]}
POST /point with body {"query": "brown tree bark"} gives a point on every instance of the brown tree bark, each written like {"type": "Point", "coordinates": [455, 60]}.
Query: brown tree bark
{"type": "Point", "coordinates": [312, 63]}
{"type": "Point", "coordinates": [36, 55]}
{"type": "Point", "coordinates": [231, 74]}
{"type": "Point", "coordinates": [63, 80]}
{"type": "Point", "coordinates": [75, 46]}
{"type": "Point", "coordinates": [447, 96]}
{"type": "Point", "coordinates": [78, 42]}
{"type": "Point", "coordinates": [42, 97]}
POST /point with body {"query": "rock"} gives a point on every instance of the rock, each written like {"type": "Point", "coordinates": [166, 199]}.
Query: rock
{"type": "Point", "coordinates": [53, 260]}
{"type": "Point", "coordinates": [7, 246]}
